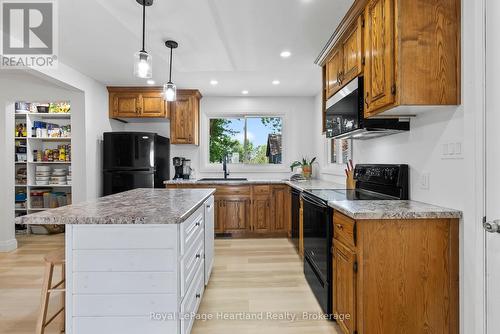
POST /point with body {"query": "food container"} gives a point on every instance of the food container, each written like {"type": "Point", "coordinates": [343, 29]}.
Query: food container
{"type": "Point", "coordinates": [43, 108]}
{"type": "Point", "coordinates": [36, 200]}
{"type": "Point", "coordinates": [22, 107]}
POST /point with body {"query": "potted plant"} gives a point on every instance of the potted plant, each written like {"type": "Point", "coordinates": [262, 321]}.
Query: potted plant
{"type": "Point", "coordinates": [306, 166]}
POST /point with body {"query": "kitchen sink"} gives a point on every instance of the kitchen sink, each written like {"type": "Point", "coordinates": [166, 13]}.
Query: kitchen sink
{"type": "Point", "coordinates": [223, 179]}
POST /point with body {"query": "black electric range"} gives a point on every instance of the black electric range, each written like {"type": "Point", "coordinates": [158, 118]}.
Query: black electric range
{"type": "Point", "coordinates": [373, 182]}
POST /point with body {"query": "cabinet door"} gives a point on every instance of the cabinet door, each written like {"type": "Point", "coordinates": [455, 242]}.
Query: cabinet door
{"type": "Point", "coordinates": [334, 72]}
{"type": "Point", "coordinates": [219, 216]}
{"type": "Point", "coordinates": [379, 45]}
{"type": "Point", "coordinates": [153, 105]}
{"type": "Point", "coordinates": [236, 215]}
{"type": "Point", "coordinates": [261, 214]}
{"type": "Point", "coordinates": [352, 51]}
{"type": "Point", "coordinates": [280, 210]}
{"type": "Point", "coordinates": [126, 105]}
{"type": "Point", "coordinates": [344, 286]}
{"type": "Point", "coordinates": [184, 120]}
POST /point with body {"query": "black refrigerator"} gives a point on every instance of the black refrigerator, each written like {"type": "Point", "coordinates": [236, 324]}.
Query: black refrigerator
{"type": "Point", "coordinates": [134, 160]}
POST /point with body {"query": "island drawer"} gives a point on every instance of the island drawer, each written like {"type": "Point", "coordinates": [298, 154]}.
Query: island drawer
{"type": "Point", "coordinates": [192, 301]}
{"type": "Point", "coordinates": [344, 229]}
{"type": "Point", "coordinates": [191, 262]}
{"type": "Point", "coordinates": [191, 228]}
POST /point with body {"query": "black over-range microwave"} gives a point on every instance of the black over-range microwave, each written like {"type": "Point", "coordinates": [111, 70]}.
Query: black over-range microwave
{"type": "Point", "coordinates": [345, 116]}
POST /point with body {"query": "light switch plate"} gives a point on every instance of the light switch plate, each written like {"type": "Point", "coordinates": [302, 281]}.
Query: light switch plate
{"type": "Point", "coordinates": [425, 181]}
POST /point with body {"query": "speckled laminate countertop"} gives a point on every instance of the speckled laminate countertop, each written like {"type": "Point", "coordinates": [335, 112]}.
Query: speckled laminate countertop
{"type": "Point", "coordinates": [300, 185]}
{"type": "Point", "coordinates": [383, 209]}
{"type": "Point", "coordinates": [370, 209]}
{"type": "Point", "coordinates": [138, 206]}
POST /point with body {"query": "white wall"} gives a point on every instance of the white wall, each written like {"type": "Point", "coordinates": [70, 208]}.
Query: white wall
{"type": "Point", "coordinates": [298, 131]}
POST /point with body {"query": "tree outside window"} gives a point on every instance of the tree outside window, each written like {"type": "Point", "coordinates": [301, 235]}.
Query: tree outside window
{"type": "Point", "coordinates": [246, 139]}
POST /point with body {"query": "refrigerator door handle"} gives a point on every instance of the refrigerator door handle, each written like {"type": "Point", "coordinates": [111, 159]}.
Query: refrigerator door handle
{"type": "Point", "coordinates": [136, 147]}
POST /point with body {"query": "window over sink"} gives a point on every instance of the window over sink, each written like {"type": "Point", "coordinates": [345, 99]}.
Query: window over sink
{"type": "Point", "coordinates": [255, 140]}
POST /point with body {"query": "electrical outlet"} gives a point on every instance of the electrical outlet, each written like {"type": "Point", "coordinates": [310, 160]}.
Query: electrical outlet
{"type": "Point", "coordinates": [425, 181]}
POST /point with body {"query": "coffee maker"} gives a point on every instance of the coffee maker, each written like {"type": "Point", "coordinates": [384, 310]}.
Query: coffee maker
{"type": "Point", "coordinates": [178, 167]}
{"type": "Point", "coordinates": [182, 168]}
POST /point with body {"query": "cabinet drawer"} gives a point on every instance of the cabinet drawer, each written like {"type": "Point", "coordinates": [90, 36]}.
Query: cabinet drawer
{"type": "Point", "coordinates": [344, 229]}
{"type": "Point", "coordinates": [192, 301]}
{"type": "Point", "coordinates": [261, 190]}
{"type": "Point", "coordinates": [191, 262]}
{"type": "Point", "coordinates": [233, 190]}
{"type": "Point", "coordinates": [191, 228]}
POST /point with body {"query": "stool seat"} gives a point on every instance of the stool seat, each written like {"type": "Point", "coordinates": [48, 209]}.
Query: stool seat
{"type": "Point", "coordinates": [51, 260]}
{"type": "Point", "coordinates": [56, 258]}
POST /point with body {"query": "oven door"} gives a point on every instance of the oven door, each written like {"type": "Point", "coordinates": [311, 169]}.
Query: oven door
{"type": "Point", "coordinates": [317, 249]}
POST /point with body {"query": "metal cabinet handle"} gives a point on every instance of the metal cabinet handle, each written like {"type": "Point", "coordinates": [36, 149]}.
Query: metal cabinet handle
{"type": "Point", "coordinates": [340, 227]}
{"type": "Point", "coordinates": [366, 100]}
{"type": "Point", "coordinates": [492, 227]}
{"type": "Point", "coordinates": [198, 295]}
{"type": "Point", "coordinates": [198, 224]}
{"type": "Point", "coordinates": [198, 256]}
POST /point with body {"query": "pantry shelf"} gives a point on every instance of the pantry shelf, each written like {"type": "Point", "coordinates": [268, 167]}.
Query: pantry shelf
{"type": "Point", "coordinates": [42, 136]}
{"type": "Point", "coordinates": [51, 138]}
{"type": "Point", "coordinates": [50, 162]}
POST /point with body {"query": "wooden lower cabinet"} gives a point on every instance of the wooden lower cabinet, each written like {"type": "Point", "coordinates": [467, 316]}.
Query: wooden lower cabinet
{"type": "Point", "coordinates": [344, 274]}
{"type": "Point", "coordinates": [262, 210]}
{"type": "Point", "coordinates": [396, 276]}
{"type": "Point", "coordinates": [235, 215]}
{"type": "Point", "coordinates": [261, 214]}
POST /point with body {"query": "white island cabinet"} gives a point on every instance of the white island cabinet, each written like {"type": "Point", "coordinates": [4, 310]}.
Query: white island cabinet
{"type": "Point", "coordinates": [144, 275]}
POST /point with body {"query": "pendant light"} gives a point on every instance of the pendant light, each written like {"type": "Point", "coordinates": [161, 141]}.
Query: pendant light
{"type": "Point", "coordinates": [169, 89]}
{"type": "Point", "coordinates": [143, 66]}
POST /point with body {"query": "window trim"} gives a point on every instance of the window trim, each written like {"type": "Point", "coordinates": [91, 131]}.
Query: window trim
{"type": "Point", "coordinates": [207, 167]}
{"type": "Point", "coordinates": [334, 168]}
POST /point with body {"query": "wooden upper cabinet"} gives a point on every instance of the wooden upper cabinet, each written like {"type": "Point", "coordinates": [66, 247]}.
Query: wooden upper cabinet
{"type": "Point", "coordinates": [137, 102]}
{"type": "Point", "coordinates": [379, 81]}
{"type": "Point", "coordinates": [352, 52]}
{"type": "Point", "coordinates": [124, 104]}
{"type": "Point", "coordinates": [333, 72]}
{"type": "Point", "coordinates": [153, 105]}
{"type": "Point", "coordinates": [185, 118]}
{"type": "Point", "coordinates": [407, 50]}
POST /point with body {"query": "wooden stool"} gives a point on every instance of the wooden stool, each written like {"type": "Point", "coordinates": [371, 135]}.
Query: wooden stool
{"type": "Point", "coordinates": [51, 260]}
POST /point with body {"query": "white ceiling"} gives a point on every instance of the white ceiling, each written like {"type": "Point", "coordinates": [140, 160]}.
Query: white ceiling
{"type": "Point", "coordinates": [236, 42]}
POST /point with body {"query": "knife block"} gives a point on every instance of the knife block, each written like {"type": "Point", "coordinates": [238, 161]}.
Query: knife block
{"type": "Point", "coordinates": [350, 183]}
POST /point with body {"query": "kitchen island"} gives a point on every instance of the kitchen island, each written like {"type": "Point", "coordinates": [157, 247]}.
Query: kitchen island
{"type": "Point", "coordinates": [136, 262]}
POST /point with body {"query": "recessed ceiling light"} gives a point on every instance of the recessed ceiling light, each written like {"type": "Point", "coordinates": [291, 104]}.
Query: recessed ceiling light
{"type": "Point", "coordinates": [285, 54]}
{"type": "Point", "coordinates": [244, 92]}
{"type": "Point", "coordinates": [151, 82]}
{"type": "Point", "coordinates": [276, 82]}
{"type": "Point", "coordinates": [213, 82]}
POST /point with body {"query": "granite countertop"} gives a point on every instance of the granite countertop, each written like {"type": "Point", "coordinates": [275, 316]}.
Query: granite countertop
{"type": "Point", "coordinates": [138, 206]}
{"type": "Point", "coordinates": [300, 185]}
{"type": "Point", "coordinates": [387, 209]}
{"type": "Point", "coordinates": [368, 209]}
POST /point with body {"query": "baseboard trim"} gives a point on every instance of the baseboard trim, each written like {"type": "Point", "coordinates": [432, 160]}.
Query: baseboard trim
{"type": "Point", "coordinates": [8, 245]}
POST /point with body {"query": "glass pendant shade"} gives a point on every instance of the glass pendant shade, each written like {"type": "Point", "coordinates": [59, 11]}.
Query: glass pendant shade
{"type": "Point", "coordinates": [143, 65]}
{"type": "Point", "coordinates": [170, 92]}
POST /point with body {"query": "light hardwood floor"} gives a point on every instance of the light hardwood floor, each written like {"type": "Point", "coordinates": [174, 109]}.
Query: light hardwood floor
{"type": "Point", "coordinates": [250, 276]}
